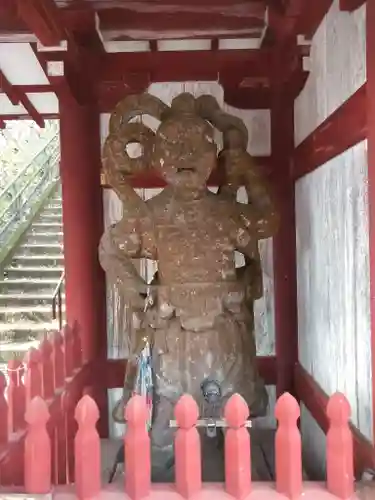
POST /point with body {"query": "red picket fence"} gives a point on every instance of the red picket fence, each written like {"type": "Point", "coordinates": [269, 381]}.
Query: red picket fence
{"type": "Point", "coordinates": [54, 372]}
{"type": "Point", "coordinates": [188, 479]}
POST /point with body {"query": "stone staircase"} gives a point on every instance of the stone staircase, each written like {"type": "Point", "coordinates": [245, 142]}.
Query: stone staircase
{"type": "Point", "coordinates": [30, 282]}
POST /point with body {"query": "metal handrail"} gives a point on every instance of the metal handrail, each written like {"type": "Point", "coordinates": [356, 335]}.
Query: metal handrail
{"type": "Point", "coordinates": [53, 141]}
{"type": "Point", "coordinates": [39, 180]}
{"type": "Point", "coordinates": [57, 300]}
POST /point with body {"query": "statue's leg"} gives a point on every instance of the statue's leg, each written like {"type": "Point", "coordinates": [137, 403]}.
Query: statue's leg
{"type": "Point", "coordinates": [162, 439]}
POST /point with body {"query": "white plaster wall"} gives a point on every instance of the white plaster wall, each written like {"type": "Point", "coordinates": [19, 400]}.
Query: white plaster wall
{"type": "Point", "coordinates": [338, 68]}
{"type": "Point", "coordinates": [332, 235]}
{"type": "Point", "coordinates": [258, 124]}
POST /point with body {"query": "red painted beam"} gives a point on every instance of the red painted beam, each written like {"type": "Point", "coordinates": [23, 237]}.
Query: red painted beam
{"type": "Point", "coordinates": [128, 20]}
{"type": "Point", "coordinates": [342, 130]}
{"type": "Point", "coordinates": [370, 106]}
{"type": "Point", "coordinates": [46, 116]}
{"type": "Point", "coordinates": [257, 97]}
{"type": "Point", "coordinates": [315, 400]}
{"type": "Point", "coordinates": [351, 5]}
{"type": "Point", "coordinates": [113, 371]}
{"type": "Point", "coordinates": [17, 97]}
{"type": "Point", "coordinates": [2, 123]}
{"type": "Point", "coordinates": [43, 19]}
{"type": "Point", "coordinates": [233, 65]}
{"type": "Point", "coordinates": [151, 179]}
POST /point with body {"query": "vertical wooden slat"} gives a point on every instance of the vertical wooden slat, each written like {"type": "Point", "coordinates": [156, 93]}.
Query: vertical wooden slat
{"type": "Point", "coordinates": [340, 462]}
{"type": "Point", "coordinates": [137, 450]}
{"type": "Point", "coordinates": [284, 242]}
{"type": "Point", "coordinates": [237, 449]}
{"type": "Point", "coordinates": [37, 449]}
{"type": "Point", "coordinates": [370, 47]}
{"type": "Point", "coordinates": [187, 448]}
{"type": "Point", "coordinates": [288, 448]}
{"type": "Point", "coordinates": [87, 449]}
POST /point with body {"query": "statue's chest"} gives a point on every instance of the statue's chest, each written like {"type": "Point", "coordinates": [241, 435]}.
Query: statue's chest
{"type": "Point", "coordinates": [193, 230]}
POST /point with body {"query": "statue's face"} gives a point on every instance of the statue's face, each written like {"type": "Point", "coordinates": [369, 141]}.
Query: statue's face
{"type": "Point", "coordinates": [184, 151]}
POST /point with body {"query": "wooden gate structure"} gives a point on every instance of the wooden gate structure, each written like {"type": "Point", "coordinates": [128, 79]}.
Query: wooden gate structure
{"type": "Point", "coordinates": [74, 61]}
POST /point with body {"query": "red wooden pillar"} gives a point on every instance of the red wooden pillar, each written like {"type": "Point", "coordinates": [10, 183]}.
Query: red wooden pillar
{"type": "Point", "coordinates": [284, 243]}
{"type": "Point", "coordinates": [370, 39]}
{"type": "Point", "coordinates": [83, 224]}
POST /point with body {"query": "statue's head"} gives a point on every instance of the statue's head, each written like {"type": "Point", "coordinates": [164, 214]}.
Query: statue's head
{"type": "Point", "coordinates": [184, 152]}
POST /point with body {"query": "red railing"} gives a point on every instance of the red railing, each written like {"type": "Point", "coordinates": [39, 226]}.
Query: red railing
{"type": "Point", "coordinates": [54, 372]}
{"type": "Point", "coordinates": [38, 455]}
{"type": "Point", "coordinates": [57, 309]}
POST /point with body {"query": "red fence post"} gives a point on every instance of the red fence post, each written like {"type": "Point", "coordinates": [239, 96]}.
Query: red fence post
{"type": "Point", "coordinates": [188, 465]}
{"type": "Point", "coordinates": [77, 347]}
{"type": "Point", "coordinates": [37, 449]}
{"type": "Point", "coordinates": [33, 376]}
{"type": "Point", "coordinates": [288, 448]}
{"type": "Point", "coordinates": [237, 449]}
{"type": "Point", "coordinates": [58, 360]}
{"type": "Point", "coordinates": [48, 388]}
{"type": "Point", "coordinates": [68, 350]}
{"type": "Point", "coordinates": [16, 395]}
{"type": "Point", "coordinates": [340, 465]}
{"type": "Point", "coordinates": [137, 449]}
{"type": "Point", "coordinates": [3, 411]}
{"type": "Point", "coordinates": [87, 449]}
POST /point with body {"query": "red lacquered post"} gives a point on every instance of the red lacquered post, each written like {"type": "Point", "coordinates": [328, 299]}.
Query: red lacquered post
{"type": "Point", "coordinates": [340, 463]}
{"type": "Point", "coordinates": [137, 450]}
{"type": "Point", "coordinates": [87, 450]}
{"type": "Point", "coordinates": [48, 388]}
{"type": "Point", "coordinates": [16, 395]}
{"type": "Point", "coordinates": [187, 448]}
{"type": "Point", "coordinates": [237, 449]}
{"type": "Point", "coordinates": [68, 350]}
{"type": "Point", "coordinates": [3, 411]}
{"type": "Point", "coordinates": [288, 448]}
{"type": "Point", "coordinates": [58, 360]}
{"type": "Point", "coordinates": [37, 449]}
{"type": "Point", "coordinates": [33, 376]}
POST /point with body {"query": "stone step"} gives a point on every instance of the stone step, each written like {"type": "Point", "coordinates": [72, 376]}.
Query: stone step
{"type": "Point", "coordinates": [42, 237]}
{"type": "Point", "coordinates": [50, 217]}
{"type": "Point", "coordinates": [26, 299]}
{"type": "Point", "coordinates": [34, 314]}
{"type": "Point", "coordinates": [26, 331]}
{"type": "Point", "coordinates": [34, 272]}
{"type": "Point", "coordinates": [54, 208]}
{"type": "Point", "coordinates": [43, 285]}
{"type": "Point", "coordinates": [41, 248]}
{"type": "Point", "coordinates": [38, 260]}
{"type": "Point", "coordinates": [46, 227]}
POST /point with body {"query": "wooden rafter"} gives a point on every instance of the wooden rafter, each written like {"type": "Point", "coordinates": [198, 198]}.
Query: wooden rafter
{"type": "Point", "coordinates": [17, 97]}
{"type": "Point", "coordinates": [42, 17]}
{"type": "Point", "coordinates": [351, 5]}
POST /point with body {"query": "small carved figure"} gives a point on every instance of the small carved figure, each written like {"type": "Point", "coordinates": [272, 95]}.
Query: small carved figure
{"type": "Point", "coordinates": [198, 324]}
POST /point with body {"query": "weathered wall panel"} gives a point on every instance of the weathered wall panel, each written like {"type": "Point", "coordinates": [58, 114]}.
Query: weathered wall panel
{"type": "Point", "coordinates": [258, 123]}
{"type": "Point", "coordinates": [338, 68]}
{"type": "Point", "coordinates": [332, 234]}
